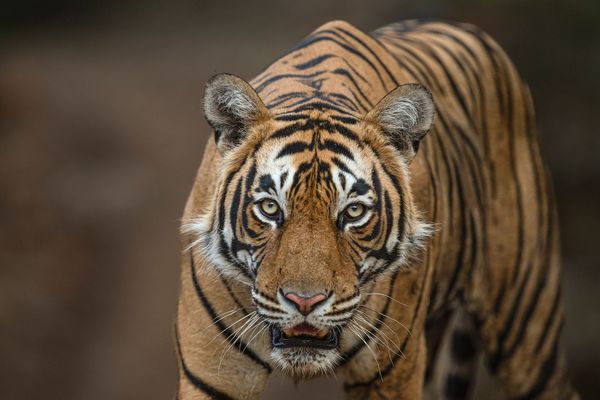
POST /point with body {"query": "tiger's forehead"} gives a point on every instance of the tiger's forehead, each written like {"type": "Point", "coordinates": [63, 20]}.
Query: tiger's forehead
{"type": "Point", "coordinates": [320, 146]}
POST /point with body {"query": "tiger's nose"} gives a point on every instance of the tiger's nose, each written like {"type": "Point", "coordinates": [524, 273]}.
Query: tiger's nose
{"type": "Point", "coordinates": [305, 304]}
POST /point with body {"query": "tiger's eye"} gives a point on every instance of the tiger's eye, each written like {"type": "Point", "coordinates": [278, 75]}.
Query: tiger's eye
{"type": "Point", "coordinates": [355, 211]}
{"type": "Point", "coordinates": [269, 207]}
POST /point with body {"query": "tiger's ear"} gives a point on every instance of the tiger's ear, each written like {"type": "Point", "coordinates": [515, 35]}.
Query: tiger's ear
{"type": "Point", "coordinates": [231, 107]}
{"type": "Point", "coordinates": [404, 116]}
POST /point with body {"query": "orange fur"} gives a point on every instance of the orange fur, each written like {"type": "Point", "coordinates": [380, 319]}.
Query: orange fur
{"type": "Point", "coordinates": [477, 177]}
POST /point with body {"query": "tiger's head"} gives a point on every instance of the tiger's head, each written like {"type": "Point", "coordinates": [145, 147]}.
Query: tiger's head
{"type": "Point", "coordinates": [310, 207]}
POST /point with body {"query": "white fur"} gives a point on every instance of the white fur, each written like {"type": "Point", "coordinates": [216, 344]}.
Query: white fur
{"type": "Point", "coordinates": [305, 362]}
{"type": "Point", "coordinates": [236, 102]}
{"type": "Point", "coordinates": [230, 106]}
{"type": "Point", "coordinates": [206, 241]}
{"type": "Point", "coordinates": [400, 115]}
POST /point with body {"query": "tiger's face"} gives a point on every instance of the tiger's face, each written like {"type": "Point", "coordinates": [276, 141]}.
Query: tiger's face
{"type": "Point", "coordinates": [309, 209]}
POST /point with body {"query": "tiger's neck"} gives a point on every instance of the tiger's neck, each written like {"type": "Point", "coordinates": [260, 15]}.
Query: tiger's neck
{"type": "Point", "coordinates": [317, 74]}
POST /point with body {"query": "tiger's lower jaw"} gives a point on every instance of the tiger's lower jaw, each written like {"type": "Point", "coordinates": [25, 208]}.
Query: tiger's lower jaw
{"type": "Point", "coordinates": [305, 357]}
{"type": "Point", "coordinates": [305, 363]}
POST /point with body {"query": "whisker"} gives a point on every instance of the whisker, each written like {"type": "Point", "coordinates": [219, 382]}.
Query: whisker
{"type": "Point", "coordinates": [362, 316]}
{"type": "Point", "coordinates": [387, 338]}
{"type": "Point", "coordinates": [371, 336]}
{"type": "Point", "coordinates": [388, 317]}
{"type": "Point", "coordinates": [229, 327]}
{"type": "Point", "coordinates": [221, 317]}
{"type": "Point", "coordinates": [382, 321]}
{"type": "Point", "coordinates": [370, 349]}
{"type": "Point", "coordinates": [250, 323]}
{"type": "Point", "coordinates": [387, 296]}
{"type": "Point", "coordinates": [237, 333]}
{"type": "Point", "coordinates": [379, 340]}
{"type": "Point", "coordinates": [261, 330]}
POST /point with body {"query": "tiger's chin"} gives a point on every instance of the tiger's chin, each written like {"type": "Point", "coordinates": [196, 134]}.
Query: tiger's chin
{"type": "Point", "coordinates": [305, 363]}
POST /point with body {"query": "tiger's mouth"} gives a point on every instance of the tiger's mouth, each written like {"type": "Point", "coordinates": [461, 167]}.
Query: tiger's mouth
{"type": "Point", "coordinates": [304, 335]}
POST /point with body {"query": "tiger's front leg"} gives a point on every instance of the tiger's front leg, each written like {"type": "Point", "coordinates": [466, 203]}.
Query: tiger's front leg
{"type": "Point", "coordinates": [219, 341]}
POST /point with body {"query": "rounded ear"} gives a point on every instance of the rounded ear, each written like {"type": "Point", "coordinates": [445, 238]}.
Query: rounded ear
{"type": "Point", "coordinates": [404, 116]}
{"type": "Point", "coordinates": [231, 107]}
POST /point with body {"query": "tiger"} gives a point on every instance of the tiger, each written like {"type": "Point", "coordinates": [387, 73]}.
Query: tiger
{"type": "Point", "coordinates": [367, 201]}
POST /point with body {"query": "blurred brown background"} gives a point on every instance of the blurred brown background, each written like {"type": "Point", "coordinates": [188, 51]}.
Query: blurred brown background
{"type": "Point", "coordinates": [101, 133]}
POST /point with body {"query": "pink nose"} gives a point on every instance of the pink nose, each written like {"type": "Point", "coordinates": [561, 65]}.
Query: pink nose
{"type": "Point", "coordinates": [305, 304]}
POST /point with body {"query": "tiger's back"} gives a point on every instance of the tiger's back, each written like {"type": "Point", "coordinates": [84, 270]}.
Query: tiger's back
{"type": "Point", "coordinates": [497, 209]}
{"type": "Point", "coordinates": [477, 177]}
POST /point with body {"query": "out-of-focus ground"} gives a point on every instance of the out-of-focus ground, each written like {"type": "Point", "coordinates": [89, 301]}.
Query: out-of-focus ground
{"type": "Point", "coordinates": [101, 133]}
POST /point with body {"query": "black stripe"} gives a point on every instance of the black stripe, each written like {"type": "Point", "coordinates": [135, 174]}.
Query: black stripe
{"type": "Point", "coordinates": [545, 374]}
{"type": "Point", "coordinates": [526, 317]}
{"type": "Point", "coordinates": [342, 130]}
{"type": "Point", "coordinates": [342, 166]}
{"type": "Point", "coordinates": [336, 147]}
{"type": "Point", "coordinates": [276, 78]}
{"type": "Point", "coordinates": [247, 200]}
{"type": "Point", "coordinates": [195, 380]}
{"type": "Point", "coordinates": [308, 97]}
{"type": "Point", "coordinates": [345, 120]}
{"type": "Point", "coordinates": [453, 85]}
{"type": "Point", "coordinates": [549, 320]}
{"type": "Point", "coordinates": [468, 140]}
{"type": "Point", "coordinates": [292, 129]}
{"type": "Point", "coordinates": [313, 61]}
{"type": "Point", "coordinates": [232, 294]}
{"type": "Point", "coordinates": [348, 355]}
{"type": "Point", "coordinates": [382, 253]}
{"type": "Point", "coordinates": [491, 55]}
{"type": "Point", "coordinates": [496, 358]}
{"type": "Point", "coordinates": [234, 208]}
{"type": "Point", "coordinates": [316, 39]}
{"type": "Point", "coordinates": [290, 117]}
{"type": "Point", "coordinates": [293, 148]}
{"type": "Point", "coordinates": [370, 50]}
{"type": "Point", "coordinates": [510, 120]}
{"type": "Point", "coordinates": [321, 106]}
{"type": "Point", "coordinates": [474, 151]}
{"type": "Point", "coordinates": [464, 237]}
{"type": "Point", "coordinates": [343, 100]}
{"type": "Point", "coordinates": [223, 247]}
{"type": "Point", "coordinates": [285, 98]}
{"type": "Point", "coordinates": [482, 96]}
{"type": "Point", "coordinates": [343, 72]}
{"type": "Point", "coordinates": [348, 46]}
{"type": "Point", "coordinates": [225, 330]}
{"type": "Point", "coordinates": [376, 230]}
{"type": "Point", "coordinates": [264, 305]}
{"type": "Point", "coordinates": [417, 64]}
{"type": "Point", "coordinates": [388, 368]}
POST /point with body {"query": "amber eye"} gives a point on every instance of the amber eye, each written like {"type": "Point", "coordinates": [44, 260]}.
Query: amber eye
{"type": "Point", "coordinates": [354, 211]}
{"type": "Point", "coordinates": [269, 208]}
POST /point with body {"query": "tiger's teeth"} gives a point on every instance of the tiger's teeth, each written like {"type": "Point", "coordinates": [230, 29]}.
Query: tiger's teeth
{"type": "Point", "coordinates": [288, 332]}
{"type": "Point", "coordinates": [321, 333]}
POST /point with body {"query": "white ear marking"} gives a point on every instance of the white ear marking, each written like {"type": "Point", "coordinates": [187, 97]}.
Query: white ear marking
{"type": "Point", "coordinates": [404, 116]}
{"type": "Point", "coordinates": [231, 106]}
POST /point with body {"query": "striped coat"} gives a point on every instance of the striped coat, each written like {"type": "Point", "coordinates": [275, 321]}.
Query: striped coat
{"type": "Point", "coordinates": [373, 205]}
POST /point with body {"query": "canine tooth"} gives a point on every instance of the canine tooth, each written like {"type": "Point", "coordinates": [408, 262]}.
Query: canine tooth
{"type": "Point", "coordinates": [322, 333]}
